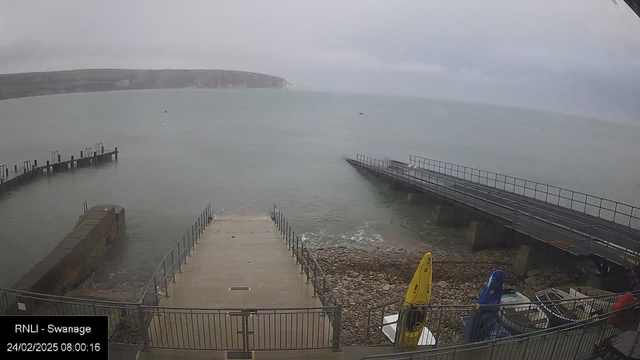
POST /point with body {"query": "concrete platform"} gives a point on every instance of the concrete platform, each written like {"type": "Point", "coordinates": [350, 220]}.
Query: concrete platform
{"type": "Point", "coordinates": [240, 251]}
{"type": "Point", "coordinates": [273, 305]}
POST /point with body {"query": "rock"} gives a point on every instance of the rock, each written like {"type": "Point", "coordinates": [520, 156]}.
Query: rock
{"type": "Point", "coordinates": [529, 280]}
{"type": "Point", "coordinates": [441, 283]}
{"type": "Point", "coordinates": [380, 276]}
{"type": "Point", "coordinates": [386, 287]}
{"type": "Point", "coordinates": [533, 272]}
{"type": "Point", "coordinates": [233, 237]}
{"type": "Point", "coordinates": [472, 295]}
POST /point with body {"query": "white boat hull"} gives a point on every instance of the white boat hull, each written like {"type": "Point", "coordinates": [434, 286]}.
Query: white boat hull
{"type": "Point", "coordinates": [389, 330]}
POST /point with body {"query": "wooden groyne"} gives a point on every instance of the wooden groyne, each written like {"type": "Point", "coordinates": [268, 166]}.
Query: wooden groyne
{"type": "Point", "coordinates": [11, 178]}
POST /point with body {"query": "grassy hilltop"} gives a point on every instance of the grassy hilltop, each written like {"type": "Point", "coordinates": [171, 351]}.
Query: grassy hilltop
{"type": "Point", "coordinates": [73, 81]}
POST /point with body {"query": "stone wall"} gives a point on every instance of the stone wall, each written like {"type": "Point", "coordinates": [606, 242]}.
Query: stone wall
{"type": "Point", "coordinates": [78, 254]}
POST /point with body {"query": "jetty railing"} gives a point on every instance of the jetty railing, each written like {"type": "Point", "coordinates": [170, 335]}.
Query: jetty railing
{"type": "Point", "coordinates": [311, 269]}
{"type": "Point", "coordinates": [459, 324]}
{"type": "Point", "coordinates": [32, 169]}
{"type": "Point", "coordinates": [615, 211]}
{"type": "Point", "coordinates": [125, 319]}
{"type": "Point", "coordinates": [149, 325]}
{"type": "Point", "coordinates": [307, 261]}
{"type": "Point", "coordinates": [274, 329]}
{"type": "Point", "coordinates": [172, 262]}
{"type": "Point", "coordinates": [566, 342]}
{"type": "Point", "coordinates": [242, 330]}
{"type": "Point", "coordinates": [583, 241]}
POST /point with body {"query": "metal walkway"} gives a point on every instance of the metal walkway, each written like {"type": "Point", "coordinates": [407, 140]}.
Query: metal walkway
{"type": "Point", "coordinates": [580, 224]}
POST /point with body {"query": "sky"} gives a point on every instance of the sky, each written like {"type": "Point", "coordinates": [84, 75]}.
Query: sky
{"type": "Point", "coordinates": [576, 56]}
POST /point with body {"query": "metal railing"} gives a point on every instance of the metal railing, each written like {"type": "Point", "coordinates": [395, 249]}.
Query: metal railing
{"type": "Point", "coordinates": [314, 274]}
{"type": "Point", "coordinates": [458, 324]}
{"type": "Point", "coordinates": [124, 318]}
{"type": "Point", "coordinates": [581, 241]}
{"type": "Point", "coordinates": [55, 156]}
{"type": "Point", "coordinates": [611, 210]}
{"type": "Point", "coordinates": [245, 330]}
{"type": "Point", "coordinates": [242, 329]}
{"type": "Point", "coordinates": [172, 262]}
{"type": "Point", "coordinates": [567, 342]}
{"type": "Point", "coordinates": [99, 148]}
{"type": "Point", "coordinates": [307, 261]}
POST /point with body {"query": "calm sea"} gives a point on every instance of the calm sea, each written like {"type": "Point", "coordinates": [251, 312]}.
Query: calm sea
{"type": "Point", "coordinates": [242, 151]}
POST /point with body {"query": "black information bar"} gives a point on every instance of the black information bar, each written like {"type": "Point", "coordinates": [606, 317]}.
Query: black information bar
{"type": "Point", "coordinates": [49, 337]}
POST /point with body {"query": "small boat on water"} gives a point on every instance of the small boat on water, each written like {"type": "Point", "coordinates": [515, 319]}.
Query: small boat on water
{"type": "Point", "coordinates": [520, 316]}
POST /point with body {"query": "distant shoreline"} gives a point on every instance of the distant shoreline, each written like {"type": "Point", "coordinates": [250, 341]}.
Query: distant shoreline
{"type": "Point", "coordinates": [23, 85]}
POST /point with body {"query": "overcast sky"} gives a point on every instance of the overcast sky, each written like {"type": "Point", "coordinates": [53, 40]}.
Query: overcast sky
{"type": "Point", "coordinates": [579, 56]}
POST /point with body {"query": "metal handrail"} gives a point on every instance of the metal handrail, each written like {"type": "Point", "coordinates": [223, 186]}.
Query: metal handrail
{"type": "Point", "coordinates": [308, 262]}
{"type": "Point", "coordinates": [314, 274]}
{"type": "Point", "coordinates": [65, 299]}
{"type": "Point", "coordinates": [166, 272]}
{"type": "Point", "coordinates": [377, 313]}
{"type": "Point", "coordinates": [54, 156]}
{"type": "Point", "coordinates": [234, 309]}
{"type": "Point", "coordinates": [443, 186]}
{"type": "Point", "coordinates": [475, 175]}
{"type": "Point", "coordinates": [632, 245]}
{"type": "Point", "coordinates": [441, 167]}
{"type": "Point", "coordinates": [598, 323]}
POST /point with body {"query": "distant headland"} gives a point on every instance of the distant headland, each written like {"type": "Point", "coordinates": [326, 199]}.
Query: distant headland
{"type": "Point", "coordinates": [88, 80]}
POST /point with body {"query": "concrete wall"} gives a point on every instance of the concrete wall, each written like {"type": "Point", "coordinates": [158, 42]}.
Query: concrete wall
{"type": "Point", "coordinates": [78, 254]}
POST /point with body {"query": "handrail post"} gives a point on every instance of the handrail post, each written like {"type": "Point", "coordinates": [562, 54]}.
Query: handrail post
{"type": "Point", "coordinates": [143, 328]}
{"type": "Point", "coordinates": [173, 267]}
{"type": "Point", "coordinates": [337, 327]}
{"type": "Point", "coordinates": [194, 237]}
{"type": "Point", "coordinates": [164, 277]}
{"type": "Point", "coordinates": [315, 277]}
{"type": "Point", "coordinates": [155, 288]}
{"type": "Point", "coordinates": [292, 245]}
{"type": "Point", "coordinates": [399, 340]}
{"type": "Point", "coordinates": [302, 260]}
{"type": "Point", "coordinates": [180, 256]}
{"type": "Point", "coordinates": [189, 240]}
{"type": "Point", "coordinates": [324, 286]}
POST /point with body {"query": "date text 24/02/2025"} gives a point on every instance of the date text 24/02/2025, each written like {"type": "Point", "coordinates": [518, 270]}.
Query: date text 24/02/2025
{"type": "Point", "coordinates": [42, 335]}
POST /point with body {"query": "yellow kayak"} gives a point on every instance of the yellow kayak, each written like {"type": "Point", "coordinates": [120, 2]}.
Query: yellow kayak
{"type": "Point", "coordinates": [418, 295]}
